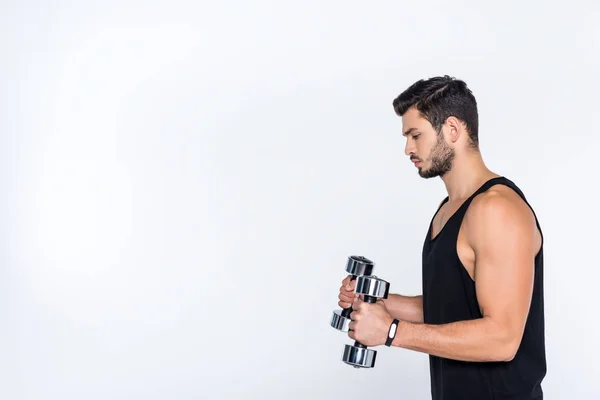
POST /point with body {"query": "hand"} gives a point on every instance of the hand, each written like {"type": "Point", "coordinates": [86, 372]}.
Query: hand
{"type": "Point", "coordinates": [347, 296]}
{"type": "Point", "coordinates": [370, 322]}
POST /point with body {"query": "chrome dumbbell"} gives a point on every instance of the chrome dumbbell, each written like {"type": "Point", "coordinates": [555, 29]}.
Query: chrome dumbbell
{"type": "Point", "coordinates": [356, 266]}
{"type": "Point", "coordinates": [371, 288]}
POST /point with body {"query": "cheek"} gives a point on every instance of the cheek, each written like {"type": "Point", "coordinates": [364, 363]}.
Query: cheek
{"type": "Point", "coordinates": [426, 148]}
{"type": "Point", "coordinates": [423, 149]}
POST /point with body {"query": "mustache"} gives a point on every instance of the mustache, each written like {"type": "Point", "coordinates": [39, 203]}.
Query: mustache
{"type": "Point", "coordinates": [415, 158]}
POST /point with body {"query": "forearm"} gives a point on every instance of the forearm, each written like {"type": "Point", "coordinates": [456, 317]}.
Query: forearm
{"type": "Point", "coordinates": [405, 308]}
{"type": "Point", "coordinates": [479, 340]}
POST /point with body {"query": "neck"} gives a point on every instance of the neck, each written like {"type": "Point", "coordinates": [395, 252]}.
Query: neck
{"type": "Point", "coordinates": [468, 173]}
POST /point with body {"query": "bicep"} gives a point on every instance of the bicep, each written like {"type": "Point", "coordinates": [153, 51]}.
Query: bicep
{"type": "Point", "coordinates": [503, 241]}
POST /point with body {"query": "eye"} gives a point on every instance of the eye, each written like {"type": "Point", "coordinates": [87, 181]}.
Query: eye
{"type": "Point", "coordinates": [415, 137]}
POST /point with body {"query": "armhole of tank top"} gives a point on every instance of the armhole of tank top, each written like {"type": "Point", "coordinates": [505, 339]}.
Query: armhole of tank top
{"type": "Point", "coordinates": [520, 193]}
{"type": "Point", "coordinates": [511, 185]}
{"type": "Point", "coordinates": [537, 224]}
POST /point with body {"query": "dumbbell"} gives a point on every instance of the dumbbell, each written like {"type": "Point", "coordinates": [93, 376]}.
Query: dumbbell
{"type": "Point", "coordinates": [356, 266]}
{"type": "Point", "coordinates": [372, 288]}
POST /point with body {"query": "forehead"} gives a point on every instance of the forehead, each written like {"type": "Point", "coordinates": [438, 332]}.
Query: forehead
{"type": "Point", "coordinates": [412, 120]}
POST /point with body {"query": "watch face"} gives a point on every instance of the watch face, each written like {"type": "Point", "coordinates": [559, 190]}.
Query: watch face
{"type": "Point", "coordinates": [393, 328]}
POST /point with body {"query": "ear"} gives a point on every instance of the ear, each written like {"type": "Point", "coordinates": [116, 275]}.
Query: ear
{"type": "Point", "coordinates": [453, 129]}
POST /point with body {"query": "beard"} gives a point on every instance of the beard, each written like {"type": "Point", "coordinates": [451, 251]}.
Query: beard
{"type": "Point", "coordinates": [441, 159]}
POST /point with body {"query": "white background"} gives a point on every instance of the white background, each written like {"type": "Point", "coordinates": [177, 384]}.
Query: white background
{"type": "Point", "coordinates": [182, 183]}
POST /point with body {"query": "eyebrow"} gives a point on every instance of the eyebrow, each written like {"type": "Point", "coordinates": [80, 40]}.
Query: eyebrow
{"type": "Point", "coordinates": [409, 131]}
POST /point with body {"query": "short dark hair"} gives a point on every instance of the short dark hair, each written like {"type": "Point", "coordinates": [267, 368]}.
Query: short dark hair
{"type": "Point", "coordinates": [438, 98]}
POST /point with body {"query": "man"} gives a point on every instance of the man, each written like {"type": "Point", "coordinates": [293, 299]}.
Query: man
{"type": "Point", "coordinates": [481, 315]}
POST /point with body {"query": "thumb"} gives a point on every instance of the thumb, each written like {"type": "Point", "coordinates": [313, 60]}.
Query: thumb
{"type": "Point", "coordinates": [349, 284]}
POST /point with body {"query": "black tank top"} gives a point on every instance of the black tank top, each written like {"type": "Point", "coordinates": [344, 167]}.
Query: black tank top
{"type": "Point", "coordinates": [449, 296]}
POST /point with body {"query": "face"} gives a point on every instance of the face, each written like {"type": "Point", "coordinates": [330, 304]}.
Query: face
{"type": "Point", "coordinates": [426, 148]}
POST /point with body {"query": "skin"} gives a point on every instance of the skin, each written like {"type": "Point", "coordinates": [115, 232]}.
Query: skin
{"type": "Point", "coordinates": [497, 243]}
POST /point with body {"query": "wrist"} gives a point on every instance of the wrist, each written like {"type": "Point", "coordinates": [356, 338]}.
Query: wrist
{"type": "Point", "coordinates": [400, 338]}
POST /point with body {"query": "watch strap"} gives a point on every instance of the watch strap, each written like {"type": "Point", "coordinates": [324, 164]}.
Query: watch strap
{"type": "Point", "coordinates": [392, 332]}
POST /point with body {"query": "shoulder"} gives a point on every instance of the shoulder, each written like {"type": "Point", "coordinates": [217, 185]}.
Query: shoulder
{"type": "Point", "coordinates": [499, 211]}
{"type": "Point", "coordinates": [498, 202]}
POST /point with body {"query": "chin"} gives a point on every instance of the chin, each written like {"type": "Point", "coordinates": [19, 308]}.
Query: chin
{"type": "Point", "coordinates": [425, 174]}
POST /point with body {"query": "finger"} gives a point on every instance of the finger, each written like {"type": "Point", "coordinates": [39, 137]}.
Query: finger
{"type": "Point", "coordinates": [350, 285]}
{"type": "Point", "coordinates": [357, 302]}
{"type": "Point", "coordinates": [344, 289]}
{"type": "Point", "coordinates": [343, 304]}
{"type": "Point", "coordinates": [346, 280]}
{"type": "Point", "coordinates": [349, 289]}
{"type": "Point", "coordinates": [345, 298]}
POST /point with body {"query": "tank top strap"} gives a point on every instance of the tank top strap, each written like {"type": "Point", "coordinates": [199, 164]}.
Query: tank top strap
{"type": "Point", "coordinates": [483, 188]}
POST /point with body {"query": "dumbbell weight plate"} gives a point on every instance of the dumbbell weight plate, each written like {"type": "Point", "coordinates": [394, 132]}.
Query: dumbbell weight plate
{"type": "Point", "coordinates": [359, 266]}
{"type": "Point", "coordinates": [359, 357]}
{"type": "Point", "coordinates": [372, 286]}
{"type": "Point", "coordinates": [339, 322]}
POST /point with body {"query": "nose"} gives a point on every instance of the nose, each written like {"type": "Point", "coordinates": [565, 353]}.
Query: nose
{"type": "Point", "coordinates": [409, 148]}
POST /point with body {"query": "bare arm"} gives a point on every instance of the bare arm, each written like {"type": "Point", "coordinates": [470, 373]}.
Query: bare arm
{"type": "Point", "coordinates": [405, 308]}
{"type": "Point", "coordinates": [502, 233]}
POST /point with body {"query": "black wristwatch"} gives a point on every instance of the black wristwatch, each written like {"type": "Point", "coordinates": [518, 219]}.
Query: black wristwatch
{"type": "Point", "coordinates": [392, 332]}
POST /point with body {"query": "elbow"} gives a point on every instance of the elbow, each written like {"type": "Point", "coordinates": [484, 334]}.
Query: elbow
{"type": "Point", "coordinates": [505, 341]}
{"type": "Point", "coordinates": [507, 355]}
{"type": "Point", "coordinates": [507, 348]}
